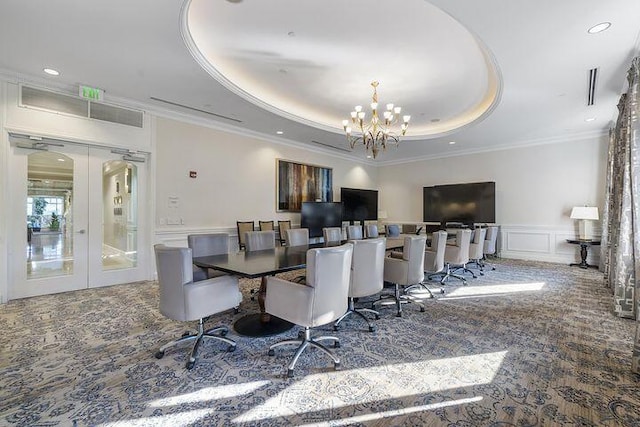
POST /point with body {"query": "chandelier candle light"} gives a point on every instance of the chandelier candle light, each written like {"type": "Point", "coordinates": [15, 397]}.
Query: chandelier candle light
{"type": "Point", "coordinates": [376, 133]}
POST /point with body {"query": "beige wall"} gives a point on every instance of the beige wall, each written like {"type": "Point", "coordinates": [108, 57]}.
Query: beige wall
{"type": "Point", "coordinates": [536, 187]}
{"type": "Point", "coordinates": [236, 176]}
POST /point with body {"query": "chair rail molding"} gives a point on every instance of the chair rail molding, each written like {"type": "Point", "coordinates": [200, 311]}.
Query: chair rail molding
{"type": "Point", "coordinates": [543, 243]}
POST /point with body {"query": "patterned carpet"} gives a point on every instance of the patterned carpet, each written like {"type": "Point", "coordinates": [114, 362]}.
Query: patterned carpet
{"type": "Point", "coordinates": [530, 344]}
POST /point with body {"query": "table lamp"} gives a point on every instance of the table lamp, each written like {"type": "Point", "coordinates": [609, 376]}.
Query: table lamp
{"type": "Point", "coordinates": [584, 215]}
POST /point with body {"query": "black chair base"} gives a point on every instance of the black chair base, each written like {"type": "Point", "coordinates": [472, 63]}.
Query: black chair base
{"type": "Point", "coordinates": [398, 299]}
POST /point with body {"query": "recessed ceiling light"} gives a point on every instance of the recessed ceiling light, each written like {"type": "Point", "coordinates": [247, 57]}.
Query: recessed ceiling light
{"type": "Point", "coordinates": [291, 34]}
{"type": "Point", "coordinates": [61, 160]}
{"type": "Point", "coordinates": [369, 156]}
{"type": "Point", "coordinates": [279, 132]}
{"type": "Point", "coordinates": [51, 71]}
{"type": "Point", "coordinates": [451, 142]}
{"type": "Point", "coordinates": [589, 119]}
{"type": "Point", "coordinates": [435, 120]}
{"type": "Point", "coordinates": [598, 28]}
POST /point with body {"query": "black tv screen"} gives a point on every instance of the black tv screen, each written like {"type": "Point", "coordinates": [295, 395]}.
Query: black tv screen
{"type": "Point", "coordinates": [465, 203]}
{"type": "Point", "coordinates": [359, 205]}
{"type": "Point", "coordinates": [317, 215]}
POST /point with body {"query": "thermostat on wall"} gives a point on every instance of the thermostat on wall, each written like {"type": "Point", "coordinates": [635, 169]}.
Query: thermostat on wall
{"type": "Point", "coordinates": [193, 174]}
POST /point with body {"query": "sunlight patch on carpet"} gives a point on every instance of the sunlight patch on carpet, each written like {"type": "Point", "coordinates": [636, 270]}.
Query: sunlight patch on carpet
{"type": "Point", "coordinates": [185, 418]}
{"type": "Point", "coordinates": [336, 389]}
{"type": "Point", "coordinates": [493, 290]}
{"type": "Point", "coordinates": [395, 413]}
{"type": "Point", "coordinates": [209, 393]}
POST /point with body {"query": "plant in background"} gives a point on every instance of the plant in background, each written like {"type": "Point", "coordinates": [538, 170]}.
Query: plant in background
{"type": "Point", "coordinates": [55, 222]}
{"type": "Point", "coordinates": [39, 204]}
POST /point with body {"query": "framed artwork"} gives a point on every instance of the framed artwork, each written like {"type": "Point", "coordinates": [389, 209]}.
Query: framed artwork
{"type": "Point", "coordinates": [297, 183]}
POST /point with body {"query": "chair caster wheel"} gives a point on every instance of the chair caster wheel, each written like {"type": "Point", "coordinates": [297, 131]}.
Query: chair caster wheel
{"type": "Point", "coordinates": [236, 310]}
{"type": "Point", "coordinates": [398, 314]}
{"type": "Point", "coordinates": [372, 328]}
{"type": "Point", "coordinates": [421, 309]}
{"type": "Point", "coordinates": [377, 317]}
{"type": "Point", "coordinates": [223, 333]}
{"type": "Point", "coordinates": [231, 349]}
{"type": "Point", "coordinates": [335, 327]}
{"type": "Point", "coordinates": [336, 366]}
{"type": "Point", "coordinates": [336, 344]}
{"type": "Point", "coordinates": [442, 290]}
{"type": "Point", "coordinates": [190, 364]}
{"type": "Point", "coordinates": [159, 354]}
{"type": "Point", "coordinates": [289, 373]}
{"type": "Point", "coordinates": [482, 274]}
{"type": "Point", "coordinates": [271, 352]}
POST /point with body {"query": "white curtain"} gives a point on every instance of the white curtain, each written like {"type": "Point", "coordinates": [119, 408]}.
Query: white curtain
{"type": "Point", "coordinates": [621, 214]}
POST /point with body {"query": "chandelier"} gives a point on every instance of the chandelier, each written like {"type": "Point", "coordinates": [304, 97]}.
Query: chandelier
{"type": "Point", "coordinates": [375, 134]}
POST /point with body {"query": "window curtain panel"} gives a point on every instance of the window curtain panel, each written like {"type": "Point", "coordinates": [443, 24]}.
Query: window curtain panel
{"type": "Point", "coordinates": [621, 213]}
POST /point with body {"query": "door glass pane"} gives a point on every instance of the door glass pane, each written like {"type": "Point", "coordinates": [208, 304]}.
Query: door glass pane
{"type": "Point", "coordinates": [120, 215]}
{"type": "Point", "coordinates": [49, 215]}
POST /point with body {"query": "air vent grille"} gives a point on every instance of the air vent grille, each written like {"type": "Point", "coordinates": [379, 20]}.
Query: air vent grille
{"type": "Point", "coordinates": [591, 90]}
{"type": "Point", "coordinates": [60, 103]}
{"type": "Point", "coordinates": [53, 101]}
{"type": "Point", "coordinates": [324, 144]}
{"type": "Point", "coordinates": [109, 113]}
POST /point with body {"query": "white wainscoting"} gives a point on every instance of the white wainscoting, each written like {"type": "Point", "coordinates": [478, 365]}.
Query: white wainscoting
{"type": "Point", "coordinates": [541, 243]}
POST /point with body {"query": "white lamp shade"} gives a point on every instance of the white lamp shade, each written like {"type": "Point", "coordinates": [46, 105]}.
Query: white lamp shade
{"type": "Point", "coordinates": [585, 212]}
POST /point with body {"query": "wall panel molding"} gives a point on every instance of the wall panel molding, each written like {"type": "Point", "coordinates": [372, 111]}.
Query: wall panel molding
{"type": "Point", "coordinates": [543, 243]}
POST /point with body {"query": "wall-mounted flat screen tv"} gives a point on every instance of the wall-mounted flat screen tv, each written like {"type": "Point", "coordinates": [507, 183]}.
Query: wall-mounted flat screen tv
{"type": "Point", "coordinates": [359, 205]}
{"type": "Point", "coordinates": [317, 215]}
{"type": "Point", "coordinates": [460, 203]}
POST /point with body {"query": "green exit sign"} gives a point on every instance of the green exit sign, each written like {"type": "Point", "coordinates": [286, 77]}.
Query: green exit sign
{"type": "Point", "coordinates": [91, 93]}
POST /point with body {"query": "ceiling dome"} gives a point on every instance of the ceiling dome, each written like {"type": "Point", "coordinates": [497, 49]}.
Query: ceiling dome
{"type": "Point", "coordinates": [315, 62]}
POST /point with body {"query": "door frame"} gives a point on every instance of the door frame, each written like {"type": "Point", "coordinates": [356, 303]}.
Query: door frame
{"type": "Point", "coordinates": [7, 219]}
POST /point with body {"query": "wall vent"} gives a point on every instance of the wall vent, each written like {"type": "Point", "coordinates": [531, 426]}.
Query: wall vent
{"type": "Point", "coordinates": [75, 106]}
{"type": "Point", "coordinates": [591, 86]}
{"type": "Point", "coordinates": [324, 144]}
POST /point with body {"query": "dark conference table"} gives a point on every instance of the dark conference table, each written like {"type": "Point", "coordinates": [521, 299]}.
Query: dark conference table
{"type": "Point", "coordinates": [265, 263]}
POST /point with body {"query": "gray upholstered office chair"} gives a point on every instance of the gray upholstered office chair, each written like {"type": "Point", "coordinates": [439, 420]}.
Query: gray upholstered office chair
{"type": "Point", "coordinates": [185, 300]}
{"type": "Point", "coordinates": [243, 227]}
{"type": "Point", "coordinates": [206, 245]}
{"type": "Point", "coordinates": [367, 268]}
{"type": "Point", "coordinates": [476, 250]}
{"type": "Point", "coordinates": [393, 230]}
{"type": "Point", "coordinates": [332, 234]}
{"type": "Point", "coordinates": [371, 231]}
{"type": "Point", "coordinates": [321, 300]}
{"type": "Point", "coordinates": [354, 232]}
{"type": "Point", "coordinates": [297, 237]}
{"type": "Point", "coordinates": [490, 244]}
{"type": "Point", "coordinates": [456, 256]}
{"type": "Point", "coordinates": [433, 261]}
{"type": "Point", "coordinates": [259, 240]}
{"type": "Point", "coordinates": [405, 271]}
{"type": "Point", "coordinates": [283, 226]}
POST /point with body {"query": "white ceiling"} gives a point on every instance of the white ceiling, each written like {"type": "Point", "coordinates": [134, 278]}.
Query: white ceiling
{"type": "Point", "coordinates": [487, 75]}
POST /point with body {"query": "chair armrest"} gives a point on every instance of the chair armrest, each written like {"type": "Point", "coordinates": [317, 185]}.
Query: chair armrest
{"type": "Point", "coordinates": [396, 254]}
{"type": "Point", "coordinates": [395, 270]}
{"type": "Point", "coordinates": [289, 300]}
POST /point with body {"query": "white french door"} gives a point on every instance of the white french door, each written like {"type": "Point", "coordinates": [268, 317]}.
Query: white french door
{"type": "Point", "coordinates": [75, 217]}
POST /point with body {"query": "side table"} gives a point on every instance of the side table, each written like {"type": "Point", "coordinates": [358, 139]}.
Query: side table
{"type": "Point", "coordinates": [584, 245]}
